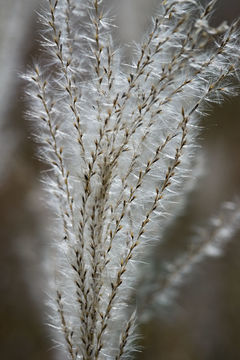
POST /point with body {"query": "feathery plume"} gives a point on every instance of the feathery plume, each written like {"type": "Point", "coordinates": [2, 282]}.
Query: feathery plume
{"type": "Point", "coordinates": [120, 141]}
{"type": "Point", "coordinates": [207, 241]}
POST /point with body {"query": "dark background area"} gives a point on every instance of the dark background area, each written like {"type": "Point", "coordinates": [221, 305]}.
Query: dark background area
{"type": "Point", "coordinates": [203, 323]}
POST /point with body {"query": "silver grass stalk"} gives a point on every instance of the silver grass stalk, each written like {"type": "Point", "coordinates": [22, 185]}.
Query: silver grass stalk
{"type": "Point", "coordinates": [207, 241]}
{"type": "Point", "coordinates": [119, 140]}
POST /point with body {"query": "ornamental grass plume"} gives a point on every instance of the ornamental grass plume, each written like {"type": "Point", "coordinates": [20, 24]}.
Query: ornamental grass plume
{"type": "Point", "coordinates": [120, 140]}
{"type": "Point", "coordinates": [209, 240]}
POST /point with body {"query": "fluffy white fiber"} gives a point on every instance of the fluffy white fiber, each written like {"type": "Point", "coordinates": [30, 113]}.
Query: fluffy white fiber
{"type": "Point", "coordinates": [120, 141]}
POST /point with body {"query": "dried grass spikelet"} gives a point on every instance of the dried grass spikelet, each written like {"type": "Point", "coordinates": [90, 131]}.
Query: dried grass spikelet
{"type": "Point", "coordinates": [119, 140]}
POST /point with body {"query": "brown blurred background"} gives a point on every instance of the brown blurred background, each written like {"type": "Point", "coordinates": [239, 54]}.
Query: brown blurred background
{"type": "Point", "coordinates": [204, 321]}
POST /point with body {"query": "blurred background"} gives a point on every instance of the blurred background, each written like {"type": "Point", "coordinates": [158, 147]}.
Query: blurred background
{"type": "Point", "coordinates": [203, 323]}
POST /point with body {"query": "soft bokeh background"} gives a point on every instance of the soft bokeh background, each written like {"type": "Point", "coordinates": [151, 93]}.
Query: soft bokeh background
{"type": "Point", "coordinates": [204, 321]}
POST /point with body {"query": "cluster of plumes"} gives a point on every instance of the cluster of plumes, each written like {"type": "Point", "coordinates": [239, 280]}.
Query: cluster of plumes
{"type": "Point", "coordinates": [120, 141]}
